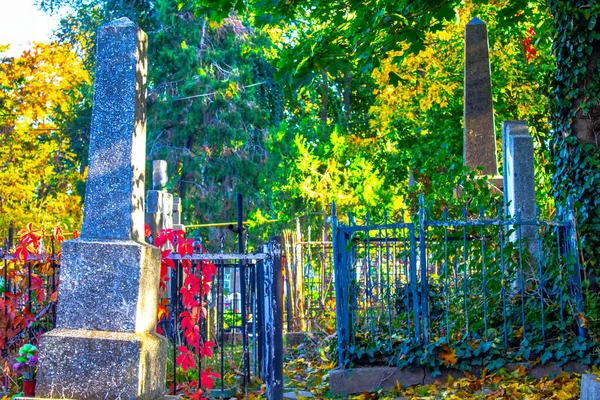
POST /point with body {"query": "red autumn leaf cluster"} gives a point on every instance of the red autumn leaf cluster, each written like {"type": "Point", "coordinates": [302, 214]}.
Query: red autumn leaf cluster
{"type": "Point", "coordinates": [196, 286]}
{"type": "Point", "coordinates": [530, 51]}
{"type": "Point", "coordinates": [27, 273]}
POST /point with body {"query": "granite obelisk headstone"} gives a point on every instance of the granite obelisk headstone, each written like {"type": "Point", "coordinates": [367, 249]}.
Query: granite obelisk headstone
{"type": "Point", "coordinates": [479, 135]}
{"type": "Point", "coordinates": [104, 345]}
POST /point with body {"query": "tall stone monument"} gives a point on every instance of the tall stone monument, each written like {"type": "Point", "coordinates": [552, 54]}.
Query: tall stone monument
{"type": "Point", "coordinates": [479, 135]}
{"type": "Point", "coordinates": [104, 345]}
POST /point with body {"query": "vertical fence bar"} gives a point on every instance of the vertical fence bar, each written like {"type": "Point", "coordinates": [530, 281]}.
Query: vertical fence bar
{"type": "Point", "coordinates": [541, 284]}
{"type": "Point", "coordinates": [221, 317]}
{"type": "Point", "coordinates": [483, 276]}
{"type": "Point", "coordinates": [423, 266]}
{"type": "Point", "coordinates": [260, 316]}
{"type": "Point", "coordinates": [574, 258]}
{"type": "Point", "coordinates": [503, 283]}
{"type": "Point", "coordinates": [521, 280]}
{"type": "Point", "coordinates": [273, 321]}
{"type": "Point", "coordinates": [465, 276]}
{"type": "Point", "coordinates": [243, 280]}
{"type": "Point", "coordinates": [54, 277]}
{"type": "Point", "coordinates": [174, 319]}
{"type": "Point", "coordinates": [413, 285]}
{"type": "Point", "coordinates": [446, 286]}
{"type": "Point", "coordinates": [340, 268]}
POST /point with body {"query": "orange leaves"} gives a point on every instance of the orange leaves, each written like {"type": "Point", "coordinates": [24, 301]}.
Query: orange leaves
{"type": "Point", "coordinates": [447, 355]}
{"type": "Point", "coordinates": [582, 320]}
{"type": "Point", "coordinates": [58, 234]}
{"type": "Point", "coordinates": [503, 384]}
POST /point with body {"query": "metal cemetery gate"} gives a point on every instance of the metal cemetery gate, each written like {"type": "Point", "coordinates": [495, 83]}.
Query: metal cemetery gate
{"type": "Point", "coordinates": [243, 318]}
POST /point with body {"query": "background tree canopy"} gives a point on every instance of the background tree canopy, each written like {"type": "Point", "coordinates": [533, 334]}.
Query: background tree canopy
{"type": "Point", "coordinates": [300, 103]}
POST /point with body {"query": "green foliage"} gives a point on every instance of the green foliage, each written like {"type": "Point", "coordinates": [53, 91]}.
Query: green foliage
{"type": "Point", "coordinates": [212, 100]}
{"type": "Point", "coordinates": [575, 120]}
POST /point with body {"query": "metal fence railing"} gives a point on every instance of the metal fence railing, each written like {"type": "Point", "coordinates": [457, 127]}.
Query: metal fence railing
{"type": "Point", "coordinates": [28, 300]}
{"type": "Point", "coordinates": [509, 282]}
{"type": "Point", "coordinates": [309, 292]}
{"type": "Point", "coordinates": [243, 313]}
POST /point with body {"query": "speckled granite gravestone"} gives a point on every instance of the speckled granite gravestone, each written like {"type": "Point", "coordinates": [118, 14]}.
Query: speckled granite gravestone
{"type": "Point", "coordinates": [519, 179]}
{"type": "Point", "coordinates": [104, 345]}
{"type": "Point", "coordinates": [479, 135]}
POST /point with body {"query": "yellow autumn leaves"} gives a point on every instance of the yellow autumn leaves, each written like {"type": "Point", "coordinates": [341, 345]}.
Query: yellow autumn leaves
{"type": "Point", "coordinates": [39, 92]}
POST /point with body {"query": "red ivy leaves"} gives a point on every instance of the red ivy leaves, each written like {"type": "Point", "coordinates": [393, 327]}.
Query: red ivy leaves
{"type": "Point", "coordinates": [207, 378]}
{"type": "Point", "coordinates": [530, 51]}
{"type": "Point", "coordinates": [59, 235]}
{"type": "Point", "coordinates": [206, 350]}
{"type": "Point", "coordinates": [185, 359]}
{"type": "Point", "coordinates": [196, 286]}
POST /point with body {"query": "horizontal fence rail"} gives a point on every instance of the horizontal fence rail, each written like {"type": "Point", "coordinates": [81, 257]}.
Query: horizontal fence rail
{"type": "Point", "coordinates": [506, 283]}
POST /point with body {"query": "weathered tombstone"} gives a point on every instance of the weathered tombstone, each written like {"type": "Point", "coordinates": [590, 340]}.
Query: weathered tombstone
{"type": "Point", "coordinates": [519, 182]}
{"type": "Point", "coordinates": [479, 135]}
{"type": "Point", "coordinates": [159, 203]}
{"type": "Point", "coordinates": [159, 174]}
{"type": "Point", "coordinates": [104, 345]}
{"type": "Point", "coordinates": [177, 225]}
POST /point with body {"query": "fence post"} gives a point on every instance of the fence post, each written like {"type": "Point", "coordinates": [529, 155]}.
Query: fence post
{"type": "Point", "coordinates": [340, 271]}
{"type": "Point", "coordinates": [260, 314]}
{"type": "Point", "coordinates": [272, 322]}
{"type": "Point", "coordinates": [423, 267]}
{"type": "Point", "coordinates": [573, 256]}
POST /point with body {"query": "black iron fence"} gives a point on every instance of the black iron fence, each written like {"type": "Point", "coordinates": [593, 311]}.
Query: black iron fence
{"type": "Point", "coordinates": [243, 317]}
{"type": "Point", "coordinates": [472, 283]}
{"type": "Point", "coordinates": [243, 314]}
{"type": "Point", "coordinates": [31, 285]}
{"type": "Point", "coordinates": [28, 290]}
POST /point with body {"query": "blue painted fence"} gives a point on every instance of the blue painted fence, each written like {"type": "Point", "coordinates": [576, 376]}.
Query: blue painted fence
{"type": "Point", "coordinates": [509, 280]}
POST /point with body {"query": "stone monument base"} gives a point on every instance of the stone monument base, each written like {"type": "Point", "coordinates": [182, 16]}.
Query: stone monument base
{"type": "Point", "coordinates": [82, 364]}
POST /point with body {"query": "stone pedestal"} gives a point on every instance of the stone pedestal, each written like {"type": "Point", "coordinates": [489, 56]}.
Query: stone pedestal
{"type": "Point", "coordinates": [84, 364]}
{"type": "Point", "coordinates": [109, 286]}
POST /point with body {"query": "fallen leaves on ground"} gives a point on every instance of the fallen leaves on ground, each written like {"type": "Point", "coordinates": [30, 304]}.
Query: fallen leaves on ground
{"type": "Point", "coordinates": [502, 385]}
{"type": "Point", "coordinates": [307, 368]}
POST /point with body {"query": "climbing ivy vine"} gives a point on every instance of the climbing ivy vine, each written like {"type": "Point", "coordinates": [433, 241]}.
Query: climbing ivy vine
{"type": "Point", "coordinates": [575, 119]}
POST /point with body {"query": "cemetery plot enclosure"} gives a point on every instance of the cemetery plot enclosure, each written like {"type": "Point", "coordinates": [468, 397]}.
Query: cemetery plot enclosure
{"type": "Point", "coordinates": [473, 283]}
